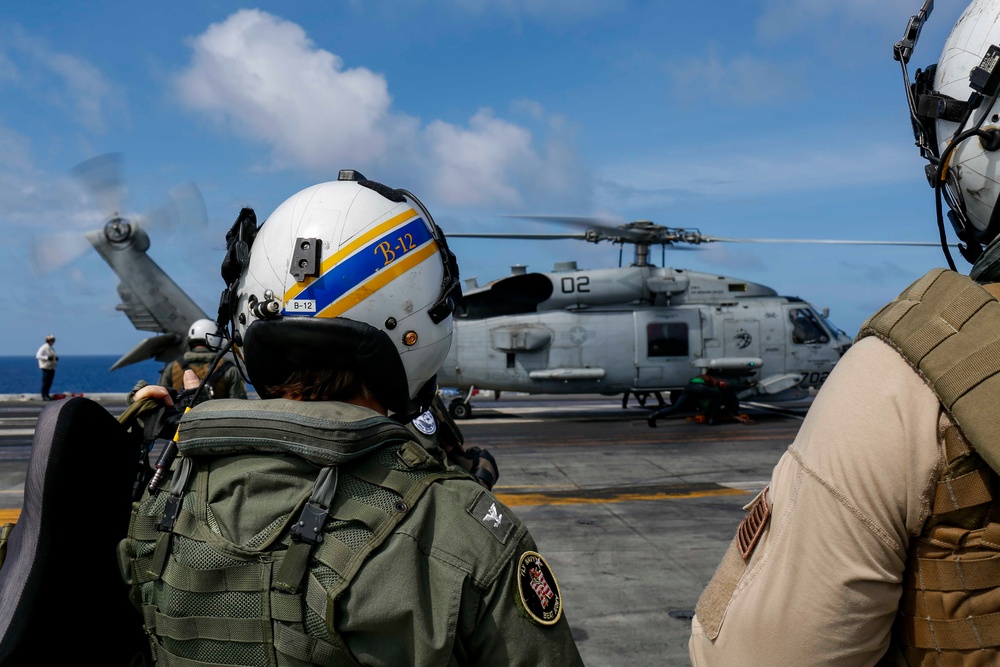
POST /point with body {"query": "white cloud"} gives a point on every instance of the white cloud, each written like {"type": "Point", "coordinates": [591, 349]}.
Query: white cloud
{"type": "Point", "coordinates": [267, 78]}
{"type": "Point", "coordinates": [263, 78]}
{"type": "Point", "coordinates": [472, 163]}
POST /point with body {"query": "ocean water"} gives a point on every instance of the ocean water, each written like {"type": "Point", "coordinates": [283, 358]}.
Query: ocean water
{"type": "Point", "coordinates": [75, 375]}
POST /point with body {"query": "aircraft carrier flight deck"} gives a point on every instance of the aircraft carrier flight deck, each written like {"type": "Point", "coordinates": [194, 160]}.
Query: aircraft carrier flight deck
{"type": "Point", "coordinates": [632, 519]}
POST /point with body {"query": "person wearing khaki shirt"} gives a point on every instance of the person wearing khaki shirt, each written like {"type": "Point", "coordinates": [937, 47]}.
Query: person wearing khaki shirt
{"type": "Point", "coordinates": [846, 498]}
{"type": "Point", "coordinates": [877, 540]}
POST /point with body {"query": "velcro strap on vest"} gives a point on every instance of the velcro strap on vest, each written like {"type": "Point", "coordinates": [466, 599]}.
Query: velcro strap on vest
{"type": "Point", "coordinates": [181, 628]}
{"type": "Point", "coordinates": [248, 578]}
{"type": "Point", "coordinates": [961, 492]}
{"type": "Point", "coordinates": [948, 327]}
{"type": "Point", "coordinates": [955, 445]}
{"type": "Point", "coordinates": [974, 632]}
{"type": "Point", "coordinates": [346, 508]}
{"type": "Point", "coordinates": [315, 596]}
{"type": "Point", "coordinates": [991, 536]}
{"type": "Point", "coordinates": [335, 554]}
{"type": "Point", "coordinates": [384, 477]}
{"type": "Point", "coordinates": [287, 608]}
{"type": "Point", "coordinates": [165, 659]}
{"type": "Point", "coordinates": [303, 647]}
{"type": "Point", "coordinates": [935, 574]}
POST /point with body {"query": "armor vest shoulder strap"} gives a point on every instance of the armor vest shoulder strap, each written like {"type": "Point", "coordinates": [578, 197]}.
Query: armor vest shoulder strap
{"type": "Point", "coordinates": [947, 327]}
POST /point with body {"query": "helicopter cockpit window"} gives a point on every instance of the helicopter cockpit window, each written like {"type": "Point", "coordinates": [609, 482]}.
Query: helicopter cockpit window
{"type": "Point", "coordinates": [806, 329]}
{"type": "Point", "coordinates": [667, 339]}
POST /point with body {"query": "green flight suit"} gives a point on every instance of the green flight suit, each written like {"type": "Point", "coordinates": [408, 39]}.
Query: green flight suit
{"type": "Point", "coordinates": [420, 564]}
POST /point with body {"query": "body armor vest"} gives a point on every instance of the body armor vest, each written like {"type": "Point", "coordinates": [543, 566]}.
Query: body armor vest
{"type": "Point", "coordinates": [268, 514]}
{"type": "Point", "coordinates": [948, 328]}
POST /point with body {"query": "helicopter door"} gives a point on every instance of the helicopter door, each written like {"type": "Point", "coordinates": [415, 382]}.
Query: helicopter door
{"type": "Point", "coordinates": [665, 342]}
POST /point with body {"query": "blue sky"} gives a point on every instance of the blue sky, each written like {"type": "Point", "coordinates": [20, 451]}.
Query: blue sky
{"type": "Point", "coordinates": [776, 118]}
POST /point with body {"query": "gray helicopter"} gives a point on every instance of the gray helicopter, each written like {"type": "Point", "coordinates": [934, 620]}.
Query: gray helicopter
{"type": "Point", "coordinates": [639, 330]}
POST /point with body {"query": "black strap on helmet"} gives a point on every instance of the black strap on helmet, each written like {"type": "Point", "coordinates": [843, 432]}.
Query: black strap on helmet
{"type": "Point", "coordinates": [239, 240]}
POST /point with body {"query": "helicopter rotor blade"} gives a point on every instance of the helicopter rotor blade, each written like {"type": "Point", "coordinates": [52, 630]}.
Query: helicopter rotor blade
{"type": "Point", "coordinates": [101, 178]}
{"type": "Point", "coordinates": [529, 237]}
{"type": "Point", "coordinates": [607, 229]}
{"type": "Point", "coordinates": [184, 207]}
{"type": "Point", "coordinates": [54, 251]}
{"type": "Point", "coordinates": [647, 232]}
{"type": "Point", "coordinates": [719, 239]}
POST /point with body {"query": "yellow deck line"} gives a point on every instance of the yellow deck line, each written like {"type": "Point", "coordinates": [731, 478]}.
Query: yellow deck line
{"type": "Point", "coordinates": [529, 499]}
{"type": "Point", "coordinates": [524, 499]}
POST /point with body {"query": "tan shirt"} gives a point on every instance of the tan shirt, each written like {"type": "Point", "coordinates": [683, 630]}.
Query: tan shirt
{"type": "Point", "coordinates": [823, 584]}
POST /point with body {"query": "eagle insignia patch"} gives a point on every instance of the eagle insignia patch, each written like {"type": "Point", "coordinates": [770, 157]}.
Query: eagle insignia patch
{"type": "Point", "coordinates": [492, 515]}
{"type": "Point", "coordinates": [537, 594]}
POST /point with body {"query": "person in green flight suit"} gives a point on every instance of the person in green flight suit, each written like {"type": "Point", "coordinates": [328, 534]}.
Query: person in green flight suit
{"type": "Point", "coordinates": [314, 529]}
{"type": "Point", "coordinates": [203, 343]}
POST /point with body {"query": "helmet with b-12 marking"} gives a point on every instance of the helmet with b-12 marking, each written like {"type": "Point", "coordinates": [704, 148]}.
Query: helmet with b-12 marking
{"type": "Point", "coordinates": [348, 274]}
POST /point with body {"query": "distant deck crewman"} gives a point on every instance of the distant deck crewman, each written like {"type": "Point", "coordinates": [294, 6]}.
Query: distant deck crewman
{"type": "Point", "coordinates": [47, 360]}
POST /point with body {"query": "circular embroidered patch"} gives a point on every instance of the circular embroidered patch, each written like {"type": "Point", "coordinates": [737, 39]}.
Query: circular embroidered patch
{"type": "Point", "coordinates": [426, 423]}
{"type": "Point", "coordinates": [537, 593]}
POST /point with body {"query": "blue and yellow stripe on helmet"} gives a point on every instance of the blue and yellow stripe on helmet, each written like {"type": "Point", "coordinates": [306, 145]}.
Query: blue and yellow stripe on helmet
{"type": "Point", "coordinates": [362, 267]}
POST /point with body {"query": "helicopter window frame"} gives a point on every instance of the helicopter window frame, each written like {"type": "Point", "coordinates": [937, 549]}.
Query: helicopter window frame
{"type": "Point", "coordinates": [807, 327]}
{"type": "Point", "coordinates": [667, 339]}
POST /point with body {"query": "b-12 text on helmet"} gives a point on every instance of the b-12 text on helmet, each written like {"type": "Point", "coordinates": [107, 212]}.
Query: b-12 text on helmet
{"type": "Point", "coordinates": [956, 124]}
{"type": "Point", "coordinates": [344, 274]}
{"type": "Point", "coordinates": [204, 332]}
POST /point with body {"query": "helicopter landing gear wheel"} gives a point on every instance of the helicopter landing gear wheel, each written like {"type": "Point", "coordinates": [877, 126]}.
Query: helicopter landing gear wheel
{"type": "Point", "coordinates": [459, 409]}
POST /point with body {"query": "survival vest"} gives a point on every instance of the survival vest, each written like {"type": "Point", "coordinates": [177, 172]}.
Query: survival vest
{"type": "Point", "coordinates": [948, 328]}
{"type": "Point", "coordinates": [240, 555]}
{"type": "Point", "coordinates": [216, 382]}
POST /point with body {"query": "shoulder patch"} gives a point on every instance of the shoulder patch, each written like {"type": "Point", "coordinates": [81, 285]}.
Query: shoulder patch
{"type": "Point", "coordinates": [425, 423]}
{"type": "Point", "coordinates": [537, 594]}
{"type": "Point", "coordinates": [491, 514]}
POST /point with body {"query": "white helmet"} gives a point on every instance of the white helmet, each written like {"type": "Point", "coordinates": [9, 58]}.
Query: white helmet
{"type": "Point", "coordinates": [956, 122]}
{"type": "Point", "coordinates": [204, 332]}
{"type": "Point", "coordinates": [348, 273]}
